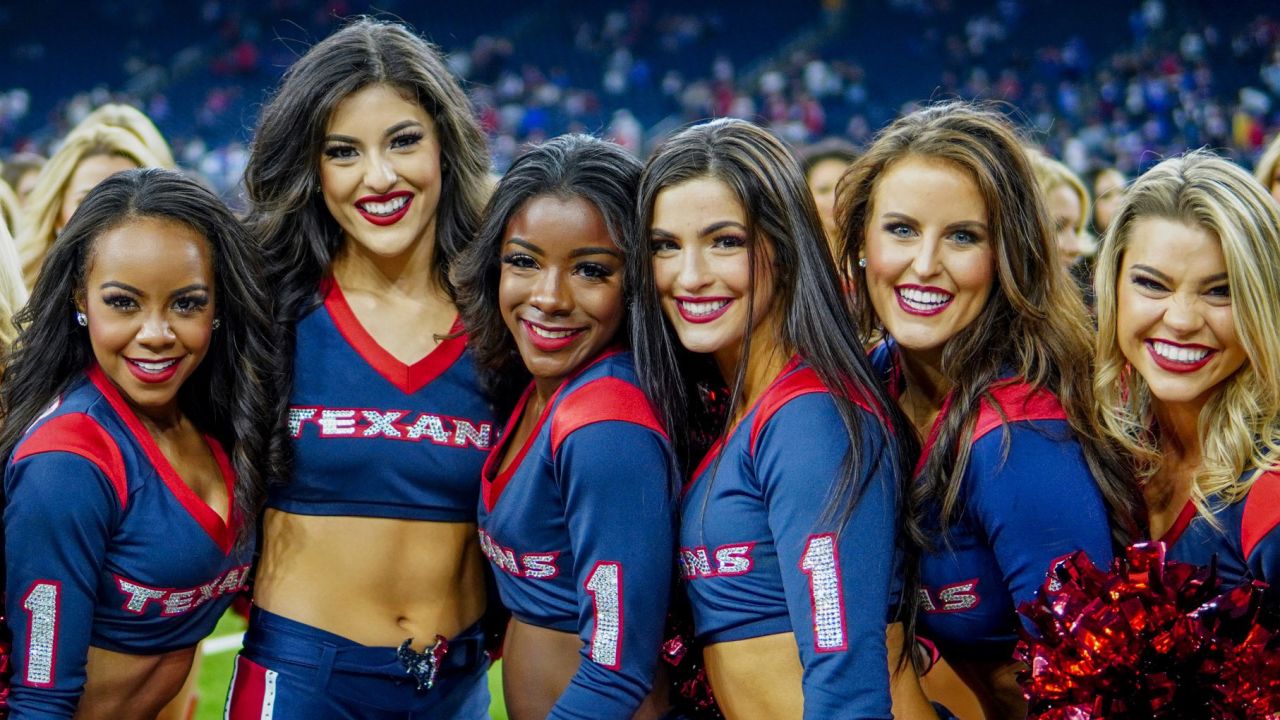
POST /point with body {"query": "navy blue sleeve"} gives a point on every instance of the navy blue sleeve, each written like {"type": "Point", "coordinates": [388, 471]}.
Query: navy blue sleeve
{"type": "Point", "coordinates": [58, 516]}
{"type": "Point", "coordinates": [837, 585]}
{"type": "Point", "coordinates": [1260, 529]}
{"type": "Point", "coordinates": [615, 478]}
{"type": "Point", "coordinates": [1037, 504]}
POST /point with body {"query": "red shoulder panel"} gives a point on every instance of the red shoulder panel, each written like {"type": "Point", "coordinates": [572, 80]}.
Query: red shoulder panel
{"type": "Point", "coordinates": [1018, 401]}
{"type": "Point", "coordinates": [801, 382]}
{"type": "Point", "coordinates": [600, 401]}
{"type": "Point", "coordinates": [81, 435]}
{"type": "Point", "coordinates": [1261, 511]}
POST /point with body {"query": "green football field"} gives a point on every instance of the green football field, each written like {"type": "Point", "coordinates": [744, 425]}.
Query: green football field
{"type": "Point", "coordinates": [215, 674]}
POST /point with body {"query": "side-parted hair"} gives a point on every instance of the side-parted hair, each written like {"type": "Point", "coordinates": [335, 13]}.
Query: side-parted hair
{"type": "Point", "coordinates": [570, 166]}
{"type": "Point", "coordinates": [1239, 427]}
{"type": "Point", "coordinates": [1268, 164]}
{"type": "Point", "coordinates": [43, 206]}
{"type": "Point", "coordinates": [766, 180]}
{"type": "Point", "coordinates": [287, 213]}
{"type": "Point", "coordinates": [227, 396]}
{"type": "Point", "coordinates": [1034, 322]}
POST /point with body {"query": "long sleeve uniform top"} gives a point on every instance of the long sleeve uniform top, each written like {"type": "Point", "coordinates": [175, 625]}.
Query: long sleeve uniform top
{"type": "Point", "coordinates": [1027, 498]}
{"type": "Point", "coordinates": [1247, 541]}
{"type": "Point", "coordinates": [106, 546]}
{"type": "Point", "coordinates": [579, 529]}
{"type": "Point", "coordinates": [758, 558]}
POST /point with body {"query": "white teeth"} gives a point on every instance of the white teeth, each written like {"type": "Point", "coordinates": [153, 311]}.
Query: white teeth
{"type": "Point", "coordinates": [551, 334]}
{"type": "Point", "coordinates": [155, 367]}
{"type": "Point", "coordinates": [924, 298]}
{"type": "Point", "coordinates": [1179, 354]}
{"type": "Point", "coordinates": [701, 309]}
{"type": "Point", "coordinates": [385, 208]}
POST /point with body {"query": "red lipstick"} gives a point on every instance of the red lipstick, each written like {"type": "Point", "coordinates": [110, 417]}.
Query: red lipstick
{"type": "Point", "coordinates": [1177, 366]}
{"type": "Point", "coordinates": [702, 318]}
{"type": "Point", "coordinates": [385, 219]}
{"type": "Point", "coordinates": [147, 376]}
{"type": "Point", "coordinates": [918, 309]}
{"type": "Point", "coordinates": [546, 344]}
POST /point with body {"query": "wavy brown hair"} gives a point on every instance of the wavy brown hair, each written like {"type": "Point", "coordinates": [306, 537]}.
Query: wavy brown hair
{"type": "Point", "coordinates": [1034, 322]}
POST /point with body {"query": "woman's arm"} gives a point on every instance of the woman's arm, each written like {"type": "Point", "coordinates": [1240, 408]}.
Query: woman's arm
{"type": "Point", "coordinates": [837, 581]}
{"type": "Point", "coordinates": [615, 479]}
{"type": "Point", "coordinates": [57, 521]}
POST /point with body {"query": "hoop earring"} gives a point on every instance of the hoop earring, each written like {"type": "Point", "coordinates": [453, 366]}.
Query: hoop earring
{"type": "Point", "coordinates": [81, 319]}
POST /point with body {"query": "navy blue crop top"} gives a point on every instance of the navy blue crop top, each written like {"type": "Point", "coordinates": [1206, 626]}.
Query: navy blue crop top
{"type": "Point", "coordinates": [373, 437]}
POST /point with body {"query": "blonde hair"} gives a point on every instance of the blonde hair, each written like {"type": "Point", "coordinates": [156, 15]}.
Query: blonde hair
{"type": "Point", "coordinates": [10, 208]}
{"type": "Point", "coordinates": [13, 293]}
{"type": "Point", "coordinates": [1239, 428]}
{"type": "Point", "coordinates": [44, 204]}
{"type": "Point", "coordinates": [133, 120]}
{"type": "Point", "coordinates": [1051, 175]}
{"type": "Point", "coordinates": [1265, 170]}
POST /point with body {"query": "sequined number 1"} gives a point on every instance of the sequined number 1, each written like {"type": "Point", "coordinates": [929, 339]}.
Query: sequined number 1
{"type": "Point", "coordinates": [604, 584]}
{"type": "Point", "coordinates": [42, 603]}
{"type": "Point", "coordinates": [819, 562]}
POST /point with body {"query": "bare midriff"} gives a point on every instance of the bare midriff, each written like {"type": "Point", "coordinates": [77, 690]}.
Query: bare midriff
{"type": "Point", "coordinates": [758, 678]}
{"type": "Point", "coordinates": [375, 581]}
{"type": "Point", "coordinates": [129, 687]}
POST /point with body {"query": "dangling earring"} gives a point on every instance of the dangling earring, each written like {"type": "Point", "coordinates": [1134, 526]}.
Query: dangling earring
{"type": "Point", "coordinates": [862, 262]}
{"type": "Point", "coordinates": [217, 323]}
{"type": "Point", "coordinates": [81, 319]}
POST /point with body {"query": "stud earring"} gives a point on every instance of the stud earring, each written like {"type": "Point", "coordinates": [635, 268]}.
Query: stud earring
{"type": "Point", "coordinates": [81, 319]}
{"type": "Point", "coordinates": [217, 323]}
{"type": "Point", "coordinates": [862, 262]}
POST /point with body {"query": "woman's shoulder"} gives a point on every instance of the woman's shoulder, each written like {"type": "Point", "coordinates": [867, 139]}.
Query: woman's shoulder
{"type": "Point", "coordinates": [606, 390]}
{"type": "Point", "coordinates": [1014, 400]}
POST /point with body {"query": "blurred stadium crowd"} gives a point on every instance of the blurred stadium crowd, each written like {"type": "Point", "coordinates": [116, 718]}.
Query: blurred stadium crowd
{"type": "Point", "coordinates": [1096, 84]}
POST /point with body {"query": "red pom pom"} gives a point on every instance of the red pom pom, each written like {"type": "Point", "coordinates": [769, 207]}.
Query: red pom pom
{"type": "Point", "coordinates": [1151, 638]}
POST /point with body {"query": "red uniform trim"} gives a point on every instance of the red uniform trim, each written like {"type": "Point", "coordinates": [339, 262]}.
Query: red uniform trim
{"type": "Point", "coordinates": [1179, 525]}
{"type": "Point", "coordinates": [601, 401]}
{"type": "Point", "coordinates": [409, 379]}
{"type": "Point", "coordinates": [804, 381]}
{"type": "Point", "coordinates": [222, 532]}
{"type": "Point", "coordinates": [1020, 402]}
{"type": "Point", "coordinates": [493, 481]}
{"type": "Point", "coordinates": [248, 690]}
{"type": "Point", "coordinates": [79, 434]}
{"type": "Point", "coordinates": [1261, 512]}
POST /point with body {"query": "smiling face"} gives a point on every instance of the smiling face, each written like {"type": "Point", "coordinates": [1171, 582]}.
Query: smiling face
{"type": "Point", "coordinates": [560, 289]}
{"type": "Point", "coordinates": [1174, 318]}
{"type": "Point", "coordinates": [1064, 217]}
{"type": "Point", "coordinates": [930, 265]}
{"type": "Point", "coordinates": [149, 298]}
{"type": "Point", "coordinates": [88, 173]}
{"type": "Point", "coordinates": [702, 268]}
{"type": "Point", "coordinates": [380, 171]}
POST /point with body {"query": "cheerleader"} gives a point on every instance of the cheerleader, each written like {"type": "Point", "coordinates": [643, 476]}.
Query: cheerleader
{"type": "Point", "coordinates": [365, 180]}
{"type": "Point", "coordinates": [1187, 374]}
{"type": "Point", "coordinates": [575, 514]}
{"type": "Point", "coordinates": [135, 450]}
{"type": "Point", "coordinates": [790, 525]}
{"type": "Point", "coordinates": [986, 348]}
